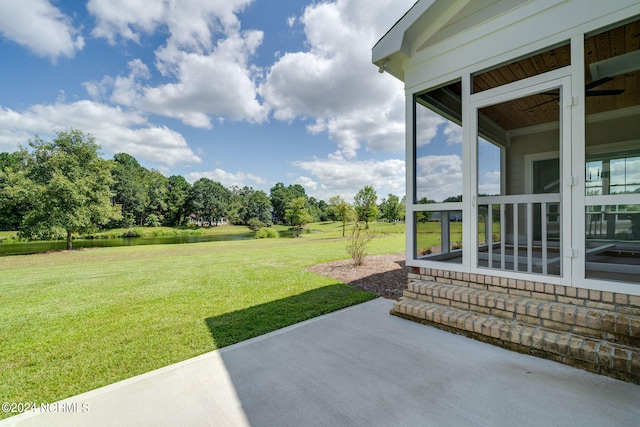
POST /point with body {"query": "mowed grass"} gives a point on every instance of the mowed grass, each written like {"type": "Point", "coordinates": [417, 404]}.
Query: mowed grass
{"type": "Point", "coordinates": [5, 235]}
{"type": "Point", "coordinates": [74, 321]}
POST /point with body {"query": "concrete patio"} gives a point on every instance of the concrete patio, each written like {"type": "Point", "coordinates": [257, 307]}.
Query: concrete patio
{"type": "Point", "coordinates": [356, 367]}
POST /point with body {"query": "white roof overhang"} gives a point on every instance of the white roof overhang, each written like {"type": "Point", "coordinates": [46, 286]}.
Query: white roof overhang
{"type": "Point", "coordinates": [396, 45]}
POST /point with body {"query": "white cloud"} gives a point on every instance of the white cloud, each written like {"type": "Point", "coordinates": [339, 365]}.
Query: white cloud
{"type": "Point", "coordinates": [336, 175]}
{"type": "Point", "coordinates": [334, 82]}
{"type": "Point", "coordinates": [489, 182]}
{"type": "Point", "coordinates": [208, 74]}
{"type": "Point", "coordinates": [427, 125]}
{"type": "Point", "coordinates": [453, 132]}
{"type": "Point", "coordinates": [228, 179]}
{"type": "Point", "coordinates": [41, 27]}
{"type": "Point", "coordinates": [218, 83]}
{"type": "Point", "coordinates": [115, 130]}
{"type": "Point", "coordinates": [125, 18]}
{"type": "Point", "coordinates": [353, 127]}
{"type": "Point", "coordinates": [309, 184]}
{"type": "Point", "coordinates": [191, 24]}
{"type": "Point", "coordinates": [204, 61]}
{"type": "Point", "coordinates": [438, 177]}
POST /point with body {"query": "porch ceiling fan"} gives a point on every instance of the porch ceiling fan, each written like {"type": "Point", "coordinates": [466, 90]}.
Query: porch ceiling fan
{"type": "Point", "coordinates": [601, 92]}
{"type": "Point", "coordinates": [588, 89]}
{"type": "Point", "coordinates": [602, 72]}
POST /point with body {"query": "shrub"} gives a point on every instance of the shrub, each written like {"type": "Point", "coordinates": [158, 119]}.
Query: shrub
{"type": "Point", "coordinates": [10, 239]}
{"type": "Point", "coordinates": [267, 233]}
{"type": "Point", "coordinates": [255, 224]}
{"type": "Point", "coordinates": [132, 232]}
{"type": "Point", "coordinates": [358, 243]}
{"type": "Point", "coordinates": [152, 221]}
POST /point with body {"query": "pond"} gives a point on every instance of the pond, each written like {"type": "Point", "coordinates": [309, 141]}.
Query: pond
{"type": "Point", "coordinates": [35, 247]}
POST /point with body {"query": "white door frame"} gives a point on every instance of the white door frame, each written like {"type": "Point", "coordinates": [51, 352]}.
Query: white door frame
{"type": "Point", "coordinates": [556, 79]}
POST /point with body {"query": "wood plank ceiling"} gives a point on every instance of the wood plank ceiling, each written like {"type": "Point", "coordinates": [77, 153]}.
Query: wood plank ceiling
{"type": "Point", "coordinates": [543, 107]}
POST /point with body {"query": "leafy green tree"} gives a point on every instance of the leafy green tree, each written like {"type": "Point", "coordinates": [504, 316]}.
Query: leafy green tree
{"type": "Point", "coordinates": [234, 215]}
{"type": "Point", "coordinates": [9, 160]}
{"type": "Point", "coordinates": [317, 209]}
{"type": "Point", "coordinates": [279, 199]}
{"type": "Point", "coordinates": [209, 200]}
{"type": "Point", "coordinates": [341, 210]}
{"type": "Point", "coordinates": [297, 215]}
{"type": "Point", "coordinates": [177, 193]}
{"type": "Point", "coordinates": [365, 205]}
{"type": "Point", "coordinates": [424, 216]}
{"type": "Point", "coordinates": [129, 189]}
{"type": "Point", "coordinates": [139, 192]}
{"type": "Point", "coordinates": [257, 205]}
{"type": "Point", "coordinates": [156, 205]}
{"type": "Point", "coordinates": [391, 209]}
{"type": "Point", "coordinates": [281, 196]}
{"type": "Point", "coordinates": [13, 204]}
{"type": "Point", "coordinates": [249, 206]}
{"type": "Point", "coordinates": [324, 210]}
{"type": "Point", "coordinates": [68, 184]}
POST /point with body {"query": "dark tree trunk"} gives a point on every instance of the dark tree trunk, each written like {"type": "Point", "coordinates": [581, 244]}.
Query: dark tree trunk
{"type": "Point", "coordinates": [69, 244]}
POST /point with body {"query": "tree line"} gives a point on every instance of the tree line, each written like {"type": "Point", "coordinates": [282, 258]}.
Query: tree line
{"type": "Point", "coordinates": [56, 188]}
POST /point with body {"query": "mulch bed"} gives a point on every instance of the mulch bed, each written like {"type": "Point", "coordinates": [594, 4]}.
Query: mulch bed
{"type": "Point", "coordinates": [385, 275]}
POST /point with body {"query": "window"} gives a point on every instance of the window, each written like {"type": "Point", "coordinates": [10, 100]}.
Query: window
{"type": "Point", "coordinates": [613, 173]}
{"type": "Point", "coordinates": [612, 143]}
{"type": "Point", "coordinates": [438, 145]}
{"type": "Point", "coordinates": [438, 170]}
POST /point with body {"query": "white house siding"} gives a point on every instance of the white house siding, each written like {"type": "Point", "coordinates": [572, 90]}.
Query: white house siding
{"type": "Point", "coordinates": [612, 131]}
{"type": "Point", "coordinates": [532, 143]}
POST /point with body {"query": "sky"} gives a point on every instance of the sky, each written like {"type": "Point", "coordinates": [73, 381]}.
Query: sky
{"type": "Point", "coordinates": [244, 92]}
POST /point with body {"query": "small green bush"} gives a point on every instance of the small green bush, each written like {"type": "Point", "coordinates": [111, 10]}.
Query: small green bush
{"type": "Point", "coordinates": [132, 232]}
{"type": "Point", "coordinates": [358, 243]}
{"type": "Point", "coordinates": [152, 220]}
{"type": "Point", "coordinates": [255, 224]}
{"type": "Point", "coordinates": [267, 233]}
{"type": "Point", "coordinates": [10, 240]}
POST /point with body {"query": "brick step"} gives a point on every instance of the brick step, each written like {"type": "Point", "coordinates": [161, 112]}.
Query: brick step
{"type": "Point", "coordinates": [608, 358]}
{"type": "Point", "coordinates": [590, 322]}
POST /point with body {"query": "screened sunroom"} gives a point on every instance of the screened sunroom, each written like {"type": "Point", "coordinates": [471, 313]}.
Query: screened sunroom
{"type": "Point", "coordinates": [539, 172]}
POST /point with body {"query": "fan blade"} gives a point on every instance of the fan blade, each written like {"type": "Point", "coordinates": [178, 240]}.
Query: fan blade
{"type": "Point", "coordinates": [542, 103]}
{"type": "Point", "coordinates": [604, 92]}
{"type": "Point", "coordinates": [598, 82]}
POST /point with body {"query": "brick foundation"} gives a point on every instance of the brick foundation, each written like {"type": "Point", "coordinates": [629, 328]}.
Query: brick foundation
{"type": "Point", "coordinates": [593, 330]}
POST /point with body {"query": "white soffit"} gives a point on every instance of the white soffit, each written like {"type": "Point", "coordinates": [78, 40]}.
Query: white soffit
{"type": "Point", "coordinates": [429, 22]}
{"type": "Point", "coordinates": [468, 15]}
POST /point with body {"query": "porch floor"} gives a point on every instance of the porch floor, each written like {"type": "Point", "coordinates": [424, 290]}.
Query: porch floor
{"type": "Point", "coordinates": [357, 367]}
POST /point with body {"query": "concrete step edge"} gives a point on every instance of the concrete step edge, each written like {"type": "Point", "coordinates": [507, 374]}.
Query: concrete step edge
{"type": "Point", "coordinates": [552, 313]}
{"type": "Point", "coordinates": [618, 360]}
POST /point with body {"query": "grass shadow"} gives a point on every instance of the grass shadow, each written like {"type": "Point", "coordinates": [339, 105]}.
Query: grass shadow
{"type": "Point", "coordinates": [240, 325]}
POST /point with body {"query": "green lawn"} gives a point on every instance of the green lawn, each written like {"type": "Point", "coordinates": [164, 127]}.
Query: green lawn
{"type": "Point", "coordinates": [74, 321]}
{"type": "Point", "coordinates": [4, 235]}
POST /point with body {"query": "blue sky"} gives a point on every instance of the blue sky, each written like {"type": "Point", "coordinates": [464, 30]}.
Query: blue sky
{"type": "Point", "coordinates": [243, 92]}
